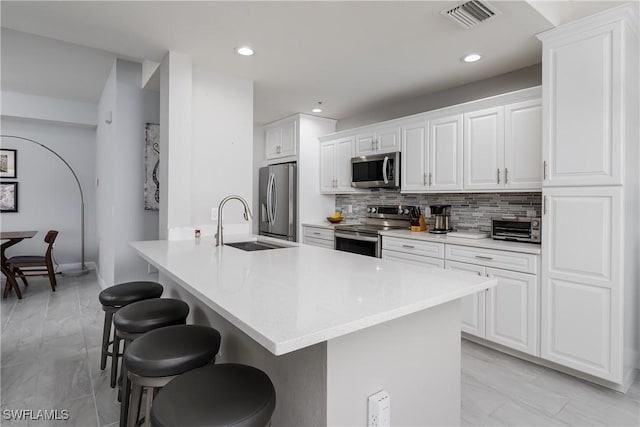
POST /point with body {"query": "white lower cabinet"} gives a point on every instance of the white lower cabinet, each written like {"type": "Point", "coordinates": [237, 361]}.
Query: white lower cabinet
{"type": "Point", "coordinates": [508, 313]}
{"type": "Point", "coordinates": [512, 310]}
{"type": "Point", "coordinates": [318, 236]}
{"type": "Point", "coordinates": [581, 297]}
{"type": "Point", "coordinates": [411, 251]}
{"type": "Point", "coordinates": [472, 306]}
{"type": "Point", "coordinates": [406, 258]}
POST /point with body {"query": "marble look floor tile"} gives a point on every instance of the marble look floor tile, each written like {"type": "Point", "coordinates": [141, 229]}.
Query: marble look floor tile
{"type": "Point", "coordinates": [11, 419]}
{"type": "Point", "coordinates": [516, 414]}
{"type": "Point", "coordinates": [634, 391]}
{"type": "Point", "coordinates": [64, 348]}
{"type": "Point", "coordinates": [60, 328]}
{"type": "Point", "coordinates": [106, 399]}
{"type": "Point", "coordinates": [501, 360]}
{"type": "Point", "coordinates": [19, 352]}
{"type": "Point", "coordinates": [472, 417]}
{"type": "Point", "coordinates": [595, 414]}
{"type": "Point", "coordinates": [63, 307]}
{"type": "Point", "coordinates": [477, 397]}
{"type": "Point", "coordinates": [63, 380]}
{"type": "Point", "coordinates": [18, 382]}
{"type": "Point", "coordinates": [514, 383]}
{"type": "Point", "coordinates": [80, 412]}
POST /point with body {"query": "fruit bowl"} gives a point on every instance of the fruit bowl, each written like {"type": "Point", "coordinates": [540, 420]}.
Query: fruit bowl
{"type": "Point", "coordinates": [334, 220]}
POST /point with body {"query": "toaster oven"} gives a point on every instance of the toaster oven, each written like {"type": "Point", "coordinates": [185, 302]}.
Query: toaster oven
{"type": "Point", "coordinates": [516, 229]}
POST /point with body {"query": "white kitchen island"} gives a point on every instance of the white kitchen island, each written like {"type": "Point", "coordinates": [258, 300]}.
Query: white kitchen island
{"type": "Point", "coordinates": [330, 328]}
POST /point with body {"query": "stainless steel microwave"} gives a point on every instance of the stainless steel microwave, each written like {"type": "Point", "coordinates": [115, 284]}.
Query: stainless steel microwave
{"type": "Point", "coordinates": [376, 171]}
{"type": "Point", "coordinates": [518, 229]}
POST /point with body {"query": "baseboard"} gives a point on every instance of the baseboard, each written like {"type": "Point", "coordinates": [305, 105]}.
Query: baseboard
{"type": "Point", "coordinates": [555, 366]}
{"type": "Point", "coordinates": [75, 266]}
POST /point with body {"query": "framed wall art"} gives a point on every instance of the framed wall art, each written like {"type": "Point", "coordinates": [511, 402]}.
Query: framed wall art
{"type": "Point", "coordinates": [8, 197]}
{"type": "Point", "coordinates": [151, 164]}
{"type": "Point", "coordinates": [8, 163]}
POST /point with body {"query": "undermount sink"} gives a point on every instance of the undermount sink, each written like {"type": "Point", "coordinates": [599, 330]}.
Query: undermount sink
{"type": "Point", "coordinates": [254, 246]}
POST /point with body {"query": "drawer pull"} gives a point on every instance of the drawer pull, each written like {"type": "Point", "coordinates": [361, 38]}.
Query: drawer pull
{"type": "Point", "coordinates": [488, 258]}
{"type": "Point", "coordinates": [408, 246]}
{"type": "Point", "coordinates": [317, 233]}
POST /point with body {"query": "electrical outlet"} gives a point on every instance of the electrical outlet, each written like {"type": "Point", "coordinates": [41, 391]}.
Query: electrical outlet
{"type": "Point", "coordinates": [379, 410]}
{"type": "Point", "coordinates": [349, 208]}
{"type": "Point", "coordinates": [214, 214]}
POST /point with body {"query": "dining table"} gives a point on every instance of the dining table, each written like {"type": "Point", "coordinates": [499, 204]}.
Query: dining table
{"type": "Point", "coordinates": [9, 239]}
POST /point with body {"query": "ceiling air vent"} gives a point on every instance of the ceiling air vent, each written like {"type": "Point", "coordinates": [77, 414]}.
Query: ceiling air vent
{"type": "Point", "coordinates": [471, 13]}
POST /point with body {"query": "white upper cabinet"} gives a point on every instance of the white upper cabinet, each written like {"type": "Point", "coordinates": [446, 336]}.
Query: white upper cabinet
{"type": "Point", "coordinates": [523, 145]}
{"type": "Point", "coordinates": [413, 159]}
{"type": "Point", "coordinates": [445, 153]}
{"type": "Point", "coordinates": [484, 149]}
{"type": "Point", "coordinates": [380, 140]}
{"type": "Point", "coordinates": [335, 166]}
{"type": "Point", "coordinates": [327, 167]}
{"type": "Point", "coordinates": [583, 107]}
{"type": "Point", "coordinates": [432, 155]}
{"type": "Point", "coordinates": [281, 139]}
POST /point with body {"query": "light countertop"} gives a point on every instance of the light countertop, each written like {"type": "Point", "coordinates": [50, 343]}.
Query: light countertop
{"type": "Point", "coordinates": [326, 224]}
{"type": "Point", "coordinates": [290, 298]}
{"type": "Point", "coordinates": [488, 243]}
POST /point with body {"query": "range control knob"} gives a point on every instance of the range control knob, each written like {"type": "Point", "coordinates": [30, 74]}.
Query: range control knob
{"type": "Point", "coordinates": [400, 210]}
{"type": "Point", "coordinates": [406, 211]}
{"type": "Point", "coordinates": [371, 210]}
{"type": "Point", "coordinates": [535, 223]}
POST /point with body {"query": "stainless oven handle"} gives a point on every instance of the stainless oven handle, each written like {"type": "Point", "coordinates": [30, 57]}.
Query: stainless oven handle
{"type": "Point", "coordinates": [356, 237]}
{"type": "Point", "coordinates": [384, 169]}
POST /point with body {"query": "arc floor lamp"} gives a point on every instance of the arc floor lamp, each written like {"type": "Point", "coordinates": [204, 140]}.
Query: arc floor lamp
{"type": "Point", "coordinates": [83, 267]}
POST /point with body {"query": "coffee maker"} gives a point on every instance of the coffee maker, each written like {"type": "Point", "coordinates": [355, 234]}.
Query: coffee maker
{"type": "Point", "coordinates": [442, 216]}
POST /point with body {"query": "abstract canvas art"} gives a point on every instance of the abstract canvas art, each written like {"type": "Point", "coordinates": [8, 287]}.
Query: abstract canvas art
{"type": "Point", "coordinates": [9, 197]}
{"type": "Point", "coordinates": [151, 164]}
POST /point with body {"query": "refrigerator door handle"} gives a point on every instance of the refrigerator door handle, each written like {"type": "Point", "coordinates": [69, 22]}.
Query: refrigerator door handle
{"type": "Point", "coordinates": [274, 196]}
{"type": "Point", "coordinates": [269, 199]}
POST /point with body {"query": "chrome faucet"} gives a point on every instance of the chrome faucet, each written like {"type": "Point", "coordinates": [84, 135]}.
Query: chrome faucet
{"type": "Point", "coordinates": [247, 215]}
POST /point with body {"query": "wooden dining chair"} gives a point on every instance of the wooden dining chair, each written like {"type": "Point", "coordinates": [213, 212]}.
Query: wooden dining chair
{"type": "Point", "coordinates": [35, 265]}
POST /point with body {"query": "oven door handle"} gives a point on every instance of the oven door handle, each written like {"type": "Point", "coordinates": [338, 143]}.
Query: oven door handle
{"type": "Point", "coordinates": [356, 237]}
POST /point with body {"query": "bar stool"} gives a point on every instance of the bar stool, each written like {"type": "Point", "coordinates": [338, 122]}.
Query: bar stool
{"type": "Point", "coordinates": [139, 317]}
{"type": "Point", "coordinates": [158, 356]}
{"type": "Point", "coordinates": [112, 299]}
{"type": "Point", "coordinates": [216, 395]}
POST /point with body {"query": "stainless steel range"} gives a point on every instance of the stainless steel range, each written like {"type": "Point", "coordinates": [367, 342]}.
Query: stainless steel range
{"type": "Point", "coordinates": [365, 239]}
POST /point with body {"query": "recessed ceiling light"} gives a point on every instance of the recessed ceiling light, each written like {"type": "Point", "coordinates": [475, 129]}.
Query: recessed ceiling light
{"type": "Point", "coordinates": [317, 109]}
{"type": "Point", "coordinates": [245, 51]}
{"type": "Point", "coordinates": [472, 57]}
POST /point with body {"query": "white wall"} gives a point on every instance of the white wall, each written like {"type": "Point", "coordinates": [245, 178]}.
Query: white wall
{"type": "Point", "coordinates": [508, 82]}
{"type": "Point", "coordinates": [120, 172]}
{"type": "Point", "coordinates": [48, 196]}
{"type": "Point", "coordinates": [207, 122]}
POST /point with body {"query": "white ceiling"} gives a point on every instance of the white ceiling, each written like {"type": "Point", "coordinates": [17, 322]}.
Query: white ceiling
{"type": "Point", "coordinates": [350, 55]}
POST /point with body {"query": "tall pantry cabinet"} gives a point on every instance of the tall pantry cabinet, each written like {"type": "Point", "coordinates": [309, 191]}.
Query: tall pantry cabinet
{"type": "Point", "coordinates": [591, 212]}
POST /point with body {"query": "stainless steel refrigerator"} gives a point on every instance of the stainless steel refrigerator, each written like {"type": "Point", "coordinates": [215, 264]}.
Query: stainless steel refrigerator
{"type": "Point", "coordinates": [278, 203]}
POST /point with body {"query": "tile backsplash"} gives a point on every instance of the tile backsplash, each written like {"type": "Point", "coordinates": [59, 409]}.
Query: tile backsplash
{"type": "Point", "coordinates": [469, 211]}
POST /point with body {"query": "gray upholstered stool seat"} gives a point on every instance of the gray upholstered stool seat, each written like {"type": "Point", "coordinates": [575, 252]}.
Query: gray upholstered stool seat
{"type": "Point", "coordinates": [157, 356]}
{"type": "Point", "coordinates": [138, 318]}
{"type": "Point", "coordinates": [126, 293]}
{"type": "Point", "coordinates": [143, 316]}
{"type": "Point", "coordinates": [112, 299]}
{"type": "Point", "coordinates": [217, 395]}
